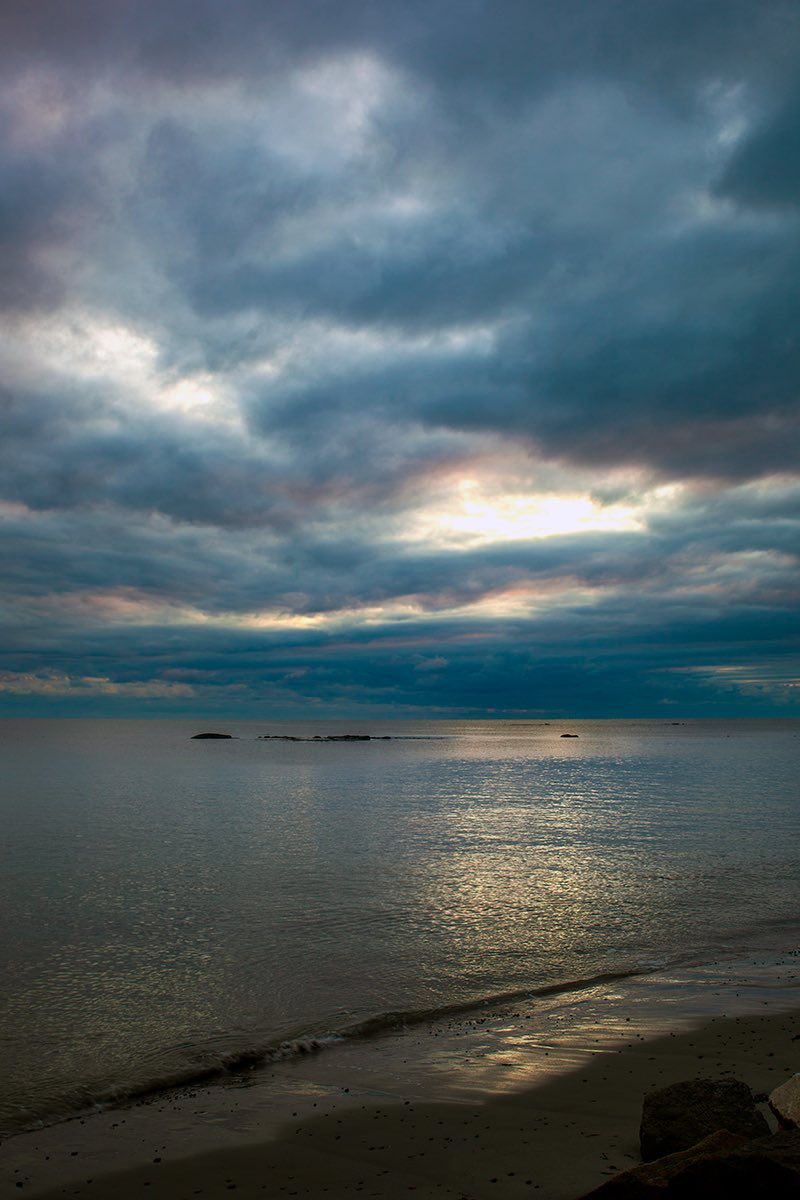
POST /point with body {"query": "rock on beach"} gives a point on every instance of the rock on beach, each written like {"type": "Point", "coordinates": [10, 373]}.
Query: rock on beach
{"type": "Point", "coordinates": [784, 1102]}
{"type": "Point", "coordinates": [679, 1116]}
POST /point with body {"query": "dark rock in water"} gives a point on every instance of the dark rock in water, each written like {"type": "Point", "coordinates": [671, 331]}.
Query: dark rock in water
{"type": "Point", "coordinates": [201, 736]}
{"type": "Point", "coordinates": [341, 737]}
{"type": "Point", "coordinates": [570, 735]}
{"type": "Point", "coordinates": [679, 1116]}
{"type": "Point", "coordinates": [318, 737]}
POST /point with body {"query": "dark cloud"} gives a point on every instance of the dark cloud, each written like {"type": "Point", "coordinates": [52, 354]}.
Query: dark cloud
{"type": "Point", "coordinates": [278, 278]}
{"type": "Point", "coordinates": [37, 206]}
{"type": "Point", "coordinates": [616, 662]}
{"type": "Point", "coordinates": [764, 172]}
{"type": "Point", "coordinates": [504, 47]}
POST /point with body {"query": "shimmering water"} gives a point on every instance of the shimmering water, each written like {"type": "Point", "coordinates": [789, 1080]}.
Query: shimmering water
{"type": "Point", "coordinates": [171, 904]}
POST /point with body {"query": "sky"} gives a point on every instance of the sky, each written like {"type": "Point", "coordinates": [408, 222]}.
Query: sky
{"type": "Point", "coordinates": [400, 359]}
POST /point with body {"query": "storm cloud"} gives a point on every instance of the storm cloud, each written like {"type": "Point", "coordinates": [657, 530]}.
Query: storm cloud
{"type": "Point", "coordinates": [400, 359]}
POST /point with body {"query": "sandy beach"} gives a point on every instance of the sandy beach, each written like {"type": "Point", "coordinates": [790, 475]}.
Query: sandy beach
{"type": "Point", "coordinates": [469, 1109]}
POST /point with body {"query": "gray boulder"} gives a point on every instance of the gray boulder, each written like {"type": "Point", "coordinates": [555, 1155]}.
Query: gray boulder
{"type": "Point", "coordinates": [649, 1180]}
{"type": "Point", "coordinates": [677, 1117]}
{"type": "Point", "coordinates": [723, 1165]}
{"type": "Point", "coordinates": [768, 1167]}
{"type": "Point", "coordinates": [785, 1103]}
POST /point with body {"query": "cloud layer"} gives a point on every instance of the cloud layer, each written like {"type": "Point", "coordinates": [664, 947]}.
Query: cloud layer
{"type": "Point", "coordinates": [400, 360]}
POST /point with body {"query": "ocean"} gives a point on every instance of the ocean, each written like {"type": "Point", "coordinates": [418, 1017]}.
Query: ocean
{"type": "Point", "coordinates": [177, 908]}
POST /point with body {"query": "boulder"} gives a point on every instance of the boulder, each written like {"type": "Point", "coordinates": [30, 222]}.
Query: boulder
{"type": "Point", "coordinates": [649, 1181]}
{"type": "Point", "coordinates": [769, 1167]}
{"type": "Point", "coordinates": [196, 736]}
{"type": "Point", "coordinates": [722, 1165]}
{"type": "Point", "coordinates": [677, 1117]}
{"type": "Point", "coordinates": [785, 1103]}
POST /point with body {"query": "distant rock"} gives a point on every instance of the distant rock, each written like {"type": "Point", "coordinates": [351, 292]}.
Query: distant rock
{"type": "Point", "coordinates": [345, 737]}
{"type": "Point", "coordinates": [318, 737]}
{"type": "Point", "coordinates": [201, 736]}
{"type": "Point", "coordinates": [570, 735]}
{"type": "Point", "coordinates": [677, 1117]}
{"type": "Point", "coordinates": [785, 1103]}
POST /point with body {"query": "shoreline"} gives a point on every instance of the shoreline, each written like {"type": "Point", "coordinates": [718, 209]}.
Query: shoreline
{"type": "Point", "coordinates": [550, 1092]}
{"type": "Point", "coordinates": [300, 1044]}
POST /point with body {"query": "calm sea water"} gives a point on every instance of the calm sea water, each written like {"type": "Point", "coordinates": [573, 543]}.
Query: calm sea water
{"type": "Point", "coordinates": [170, 905]}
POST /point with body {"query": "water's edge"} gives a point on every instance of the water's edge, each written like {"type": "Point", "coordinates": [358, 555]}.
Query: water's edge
{"type": "Point", "coordinates": [253, 1056]}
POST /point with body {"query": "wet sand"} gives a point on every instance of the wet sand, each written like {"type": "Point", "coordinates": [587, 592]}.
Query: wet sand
{"type": "Point", "coordinates": [473, 1109]}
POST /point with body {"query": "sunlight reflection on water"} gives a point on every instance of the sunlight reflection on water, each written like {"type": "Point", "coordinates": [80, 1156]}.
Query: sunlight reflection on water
{"type": "Point", "coordinates": [171, 900]}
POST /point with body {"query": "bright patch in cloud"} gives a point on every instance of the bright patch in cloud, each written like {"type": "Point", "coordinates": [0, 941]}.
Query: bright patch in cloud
{"type": "Point", "coordinates": [474, 516]}
{"type": "Point", "coordinates": [55, 683]}
{"type": "Point", "coordinates": [770, 679]}
{"type": "Point", "coordinates": [91, 347]}
{"type": "Point", "coordinates": [85, 347]}
{"type": "Point", "coordinates": [197, 396]}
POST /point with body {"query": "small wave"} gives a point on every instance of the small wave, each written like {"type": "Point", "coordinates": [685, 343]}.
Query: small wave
{"type": "Point", "coordinates": [232, 1063]}
{"type": "Point", "coordinates": [401, 1019]}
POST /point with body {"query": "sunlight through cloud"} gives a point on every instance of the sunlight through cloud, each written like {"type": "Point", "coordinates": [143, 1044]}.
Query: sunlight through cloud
{"type": "Point", "coordinates": [473, 516]}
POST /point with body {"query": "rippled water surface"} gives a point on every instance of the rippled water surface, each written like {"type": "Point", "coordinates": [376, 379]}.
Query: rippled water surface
{"type": "Point", "coordinates": [169, 902]}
